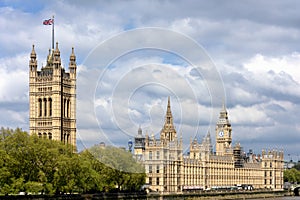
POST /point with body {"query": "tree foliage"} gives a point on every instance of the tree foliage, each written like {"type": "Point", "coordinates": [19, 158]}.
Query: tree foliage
{"type": "Point", "coordinates": [292, 175]}
{"type": "Point", "coordinates": [42, 166]}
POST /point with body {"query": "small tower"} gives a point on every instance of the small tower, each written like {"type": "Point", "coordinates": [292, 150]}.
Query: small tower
{"type": "Point", "coordinates": [52, 98]}
{"type": "Point", "coordinates": [223, 133]}
{"type": "Point", "coordinates": [139, 145]}
{"type": "Point", "coordinates": [168, 132]}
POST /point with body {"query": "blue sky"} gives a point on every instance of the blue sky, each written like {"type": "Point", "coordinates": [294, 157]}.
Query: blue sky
{"type": "Point", "coordinates": [252, 46]}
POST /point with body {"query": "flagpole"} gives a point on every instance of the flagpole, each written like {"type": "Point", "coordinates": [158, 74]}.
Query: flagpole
{"type": "Point", "coordinates": [53, 32]}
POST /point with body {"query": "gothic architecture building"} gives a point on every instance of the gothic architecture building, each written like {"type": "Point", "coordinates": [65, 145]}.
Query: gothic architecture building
{"type": "Point", "coordinates": [168, 170]}
{"type": "Point", "coordinates": [52, 98]}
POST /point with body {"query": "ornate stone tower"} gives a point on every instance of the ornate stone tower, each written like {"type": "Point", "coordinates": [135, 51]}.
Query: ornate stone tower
{"type": "Point", "coordinates": [52, 98]}
{"type": "Point", "coordinates": [223, 134]}
{"type": "Point", "coordinates": [168, 132]}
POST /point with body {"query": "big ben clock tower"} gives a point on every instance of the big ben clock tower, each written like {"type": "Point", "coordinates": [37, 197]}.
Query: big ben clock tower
{"type": "Point", "coordinates": [223, 134]}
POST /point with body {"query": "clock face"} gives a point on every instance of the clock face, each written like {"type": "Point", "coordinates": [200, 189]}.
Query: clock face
{"type": "Point", "coordinates": [221, 133]}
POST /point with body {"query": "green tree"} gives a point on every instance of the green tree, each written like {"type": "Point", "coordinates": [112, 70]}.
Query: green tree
{"type": "Point", "coordinates": [121, 169]}
{"type": "Point", "coordinates": [42, 166]}
{"type": "Point", "coordinates": [292, 175]}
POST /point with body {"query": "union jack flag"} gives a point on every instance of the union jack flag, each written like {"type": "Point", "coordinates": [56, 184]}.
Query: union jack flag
{"type": "Point", "coordinates": [48, 22]}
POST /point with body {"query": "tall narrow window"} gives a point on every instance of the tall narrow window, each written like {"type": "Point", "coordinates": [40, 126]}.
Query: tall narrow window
{"type": "Point", "coordinates": [68, 138]}
{"type": "Point", "coordinates": [40, 107]}
{"type": "Point", "coordinates": [50, 136]}
{"type": "Point", "coordinates": [50, 107]}
{"type": "Point", "coordinates": [150, 180]}
{"type": "Point", "coordinates": [64, 138]}
{"type": "Point", "coordinates": [45, 107]}
{"type": "Point", "coordinates": [150, 155]}
{"type": "Point", "coordinates": [64, 107]}
{"type": "Point", "coordinates": [40, 135]}
{"type": "Point", "coordinates": [68, 108]}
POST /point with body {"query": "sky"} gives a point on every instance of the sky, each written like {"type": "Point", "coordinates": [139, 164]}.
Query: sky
{"type": "Point", "coordinates": [132, 55]}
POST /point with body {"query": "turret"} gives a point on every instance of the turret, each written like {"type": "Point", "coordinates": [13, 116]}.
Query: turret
{"type": "Point", "coordinates": [33, 61]}
{"type": "Point", "coordinates": [56, 57]}
{"type": "Point", "coordinates": [72, 63]}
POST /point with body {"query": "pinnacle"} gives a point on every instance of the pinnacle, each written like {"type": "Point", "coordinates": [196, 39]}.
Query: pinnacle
{"type": "Point", "coordinates": [33, 54]}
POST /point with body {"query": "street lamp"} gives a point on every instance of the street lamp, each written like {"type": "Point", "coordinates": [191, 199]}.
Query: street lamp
{"type": "Point", "coordinates": [130, 144]}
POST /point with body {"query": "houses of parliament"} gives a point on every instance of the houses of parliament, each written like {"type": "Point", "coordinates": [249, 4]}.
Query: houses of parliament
{"type": "Point", "coordinates": [170, 171]}
{"type": "Point", "coordinates": [52, 115]}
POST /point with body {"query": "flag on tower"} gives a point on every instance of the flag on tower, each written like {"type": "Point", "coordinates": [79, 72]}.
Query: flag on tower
{"type": "Point", "coordinates": [48, 22]}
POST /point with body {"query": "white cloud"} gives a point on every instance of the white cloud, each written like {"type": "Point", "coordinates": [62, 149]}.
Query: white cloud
{"type": "Point", "coordinates": [289, 64]}
{"type": "Point", "coordinates": [250, 116]}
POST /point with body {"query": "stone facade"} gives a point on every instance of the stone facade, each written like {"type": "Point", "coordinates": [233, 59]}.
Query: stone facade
{"type": "Point", "coordinates": [52, 98]}
{"type": "Point", "coordinates": [169, 171]}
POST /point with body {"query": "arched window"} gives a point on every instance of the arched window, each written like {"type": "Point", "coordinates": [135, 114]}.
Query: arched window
{"type": "Point", "coordinates": [68, 138]}
{"type": "Point", "coordinates": [45, 107]}
{"type": "Point", "coordinates": [45, 135]}
{"type": "Point", "coordinates": [50, 107]}
{"type": "Point", "coordinates": [68, 108]}
{"type": "Point", "coordinates": [40, 107]}
{"type": "Point", "coordinates": [40, 135]}
{"type": "Point", "coordinates": [64, 107]}
{"type": "Point", "coordinates": [64, 138]}
{"type": "Point", "coordinates": [50, 136]}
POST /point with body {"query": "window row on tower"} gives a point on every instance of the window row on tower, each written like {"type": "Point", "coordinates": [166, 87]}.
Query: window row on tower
{"type": "Point", "coordinates": [67, 106]}
{"type": "Point", "coordinates": [45, 107]}
{"type": "Point", "coordinates": [66, 138]}
{"type": "Point", "coordinates": [45, 135]}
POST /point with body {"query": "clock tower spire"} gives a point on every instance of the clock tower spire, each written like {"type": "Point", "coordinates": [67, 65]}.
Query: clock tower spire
{"type": "Point", "coordinates": [223, 133]}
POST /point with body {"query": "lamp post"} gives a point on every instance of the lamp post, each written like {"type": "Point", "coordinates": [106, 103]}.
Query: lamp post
{"type": "Point", "coordinates": [130, 144]}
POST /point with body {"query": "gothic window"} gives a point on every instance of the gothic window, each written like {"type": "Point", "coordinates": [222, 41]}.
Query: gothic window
{"type": "Point", "coordinates": [45, 107]}
{"type": "Point", "coordinates": [150, 180]}
{"type": "Point", "coordinates": [45, 135]}
{"type": "Point", "coordinates": [271, 174]}
{"type": "Point", "coordinates": [271, 164]}
{"type": "Point", "coordinates": [168, 120]}
{"type": "Point", "coordinates": [157, 169]}
{"type": "Point", "coordinates": [68, 138]}
{"type": "Point", "coordinates": [157, 181]}
{"type": "Point", "coordinates": [150, 168]}
{"type": "Point", "coordinates": [50, 136]}
{"type": "Point", "coordinates": [40, 135]}
{"type": "Point", "coordinates": [40, 107]}
{"type": "Point", "coordinates": [64, 107]}
{"type": "Point", "coordinates": [50, 107]}
{"type": "Point", "coordinates": [157, 155]}
{"type": "Point", "coordinates": [150, 155]}
{"type": "Point", "coordinates": [64, 139]}
{"type": "Point", "coordinates": [68, 108]}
